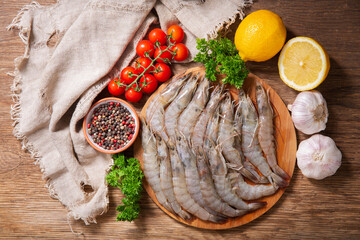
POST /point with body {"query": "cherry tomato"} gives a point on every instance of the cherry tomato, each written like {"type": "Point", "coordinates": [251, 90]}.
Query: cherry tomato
{"type": "Point", "coordinates": [151, 83]}
{"type": "Point", "coordinates": [114, 88]}
{"type": "Point", "coordinates": [164, 74]}
{"type": "Point", "coordinates": [181, 51]}
{"type": "Point", "coordinates": [133, 96]}
{"type": "Point", "coordinates": [142, 63]}
{"type": "Point", "coordinates": [166, 54]}
{"type": "Point", "coordinates": [157, 35]}
{"type": "Point", "coordinates": [125, 74]}
{"type": "Point", "coordinates": [177, 33]}
{"type": "Point", "coordinates": [145, 46]}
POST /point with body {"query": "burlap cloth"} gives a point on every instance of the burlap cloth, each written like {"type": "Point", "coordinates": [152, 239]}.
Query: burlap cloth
{"type": "Point", "coordinates": [72, 50]}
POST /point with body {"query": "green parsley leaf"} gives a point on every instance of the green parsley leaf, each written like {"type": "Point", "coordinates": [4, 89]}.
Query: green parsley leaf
{"type": "Point", "coordinates": [221, 57]}
{"type": "Point", "coordinates": [127, 175]}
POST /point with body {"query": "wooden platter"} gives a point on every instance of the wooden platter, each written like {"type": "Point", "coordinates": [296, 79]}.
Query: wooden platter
{"type": "Point", "coordinates": [286, 152]}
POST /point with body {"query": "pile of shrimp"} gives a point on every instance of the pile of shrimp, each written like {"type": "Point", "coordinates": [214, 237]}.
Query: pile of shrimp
{"type": "Point", "coordinates": [198, 148]}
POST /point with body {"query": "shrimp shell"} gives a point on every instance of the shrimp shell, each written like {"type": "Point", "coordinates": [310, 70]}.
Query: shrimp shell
{"type": "Point", "coordinates": [226, 139]}
{"type": "Point", "coordinates": [166, 95]}
{"type": "Point", "coordinates": [155, 117]}
{"type": "Point", "coordinates": [198, 134]}
{"type": "Point", "coordinates": [222, 183]}
{"type": "Point", "coordinates": [247, 191]}
{"type": "Point", "coordinates": [208, 190]}
{"type": "Point", "coordinates": [151, 165]}
{"type": "Point", "coordinates": [190, 115]}
{"type": "Point", "coordinates": [191, 173]}
{"type": "Point", "coordinates": [176, 107]}
{"type": "Point", "coordinates": [266, 130]}
{"type": "Point", "coordinates": [250, 141]}
{"type": "Point", "coordinates": [247, 164]}
{"type": "Point", "coordinates": [181, 193]}
{"type": "Point", "coordinates": [166, 179]}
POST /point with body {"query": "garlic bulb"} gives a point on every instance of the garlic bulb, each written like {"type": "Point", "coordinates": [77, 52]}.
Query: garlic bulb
{"type": "Point", "coordinates": [318, 157]}
{"type": "Point", "coordinates": [309, 112]}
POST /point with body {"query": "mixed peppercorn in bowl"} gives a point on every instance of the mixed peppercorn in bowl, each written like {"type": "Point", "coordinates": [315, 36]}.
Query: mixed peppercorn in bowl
{"type": "Point", "coordinates": [111, 125]}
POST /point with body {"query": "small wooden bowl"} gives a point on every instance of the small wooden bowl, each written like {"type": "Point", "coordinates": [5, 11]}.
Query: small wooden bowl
{"type": "Point", "coordinates": [103, 101]}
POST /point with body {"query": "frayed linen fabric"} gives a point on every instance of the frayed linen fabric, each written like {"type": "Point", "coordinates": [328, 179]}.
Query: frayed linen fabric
{"type": "Point", "coordinates": [73, 48]}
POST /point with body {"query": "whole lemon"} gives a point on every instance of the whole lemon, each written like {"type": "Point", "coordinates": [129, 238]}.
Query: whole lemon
{"type": "Point", "coordinates": [260, 36]}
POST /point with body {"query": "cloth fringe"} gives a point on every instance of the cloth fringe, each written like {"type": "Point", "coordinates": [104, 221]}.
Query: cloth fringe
{"type": "Point", "coordinates": [15, 112]}
{"type": "Point", "coordinates": [226, 24]}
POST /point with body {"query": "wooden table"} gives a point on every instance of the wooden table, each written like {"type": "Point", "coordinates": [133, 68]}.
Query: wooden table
{"type": "Point", "coordinates": [327, 209]}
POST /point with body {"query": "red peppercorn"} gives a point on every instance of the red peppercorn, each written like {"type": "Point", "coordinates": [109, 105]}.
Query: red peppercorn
{"type": "Point", "coordinates": [127, 117]}
{"type": "Point", "coordinates": [123, 123]}
{"type": "Point", "coordinates": [115, 140]}
{"type": "Point", "coordinates": [95, 117]}
{"type": "Point", "coordinates": [111, 103]}
{"type": "Point", "coordinates": [89, 125]}
{"type": "Point", "coordinates": [129, 138]}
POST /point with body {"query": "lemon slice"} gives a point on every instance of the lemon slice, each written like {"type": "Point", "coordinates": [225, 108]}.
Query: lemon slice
{"type": "Point", "coordinates": [303, 63]}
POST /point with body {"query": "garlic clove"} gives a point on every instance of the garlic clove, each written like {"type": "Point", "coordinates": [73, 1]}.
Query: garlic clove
{"type": "Point", "coordinates": [318, 157]}
{"type": "Point", "coordinates": [309, 112]}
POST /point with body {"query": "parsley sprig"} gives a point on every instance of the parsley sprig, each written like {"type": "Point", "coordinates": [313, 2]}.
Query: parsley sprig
{"type": "Point", "coordinates": [221, 57]}
{"type": "Point", "coordinates": [127, 175]}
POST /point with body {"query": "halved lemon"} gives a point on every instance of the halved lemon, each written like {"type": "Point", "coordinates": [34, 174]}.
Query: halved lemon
{"type": "Point", "coordinates": [303, 63]}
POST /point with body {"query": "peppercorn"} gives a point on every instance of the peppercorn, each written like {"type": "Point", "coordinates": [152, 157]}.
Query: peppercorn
{"type": "Point", "coordinates": [111, 126]}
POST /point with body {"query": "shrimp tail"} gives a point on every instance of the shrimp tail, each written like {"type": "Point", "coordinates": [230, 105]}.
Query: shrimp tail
{"type": "Point", "coordinates": [279, 171]}
{"type": "Point", "coordinates": [184, 215]}
{"type": "Point", "coordinates": [245, 172]}
{"type": "Point", "coordinates": [217, 219]}
{"type": "Point", "coordinates": [277, 180]}
{"type": "Point", "coordinates": [249, 175]}
{"type": "Point", "coordinates": [263, 180]}
{"type": "Point", "coordinates": [168, 207]}
{"type": "Point", "coordinates": [259, 179]}
{"type": "Point", "coordinates": [257, 205]}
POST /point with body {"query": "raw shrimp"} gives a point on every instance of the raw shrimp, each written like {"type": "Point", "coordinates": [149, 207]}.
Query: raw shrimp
{"type": "Point", "coordinates": [166, 178]}
{"type": "Point", "coordinates": [226, 139]}
{"type": "Point", "coordinates": [198, 134]}
{"type": "Point", "coordinates": [151, 165]}
{"type": "Point", "coordinates": [190, 115]}
{"type": "Point", "coordinates": [181, 193]}
{"type": "Point", "coordinates": [266, 130]}
{"type": "Point", "coordinates": [191, 173]}
{"type": "Point", "coordinates": [250, 142]}
{"type": "Point", "coordinates": [212, 128]}
{"type": "Point", "coordinates": [176, 107]}
{"type": "Point", "coordinates": [222, 183]}
{"type": "Point", "coordinates": [247, 191]}
{"type": "Point", "coordinates": [166, 95]}
{"type": "Point", "coordinates": [156, 117]}
{"type": "Point", "coordinates": [208, 190]}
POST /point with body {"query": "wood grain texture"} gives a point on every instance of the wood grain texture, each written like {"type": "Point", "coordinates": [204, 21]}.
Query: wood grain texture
{"type": "Point", "coordinates": [309, 209]}
{"type": "Point", "coordinates": [285, 138]}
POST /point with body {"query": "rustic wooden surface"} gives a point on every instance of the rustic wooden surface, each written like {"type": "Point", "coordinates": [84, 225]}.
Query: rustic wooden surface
{"type": "Point", "coordinates": [327, 209]}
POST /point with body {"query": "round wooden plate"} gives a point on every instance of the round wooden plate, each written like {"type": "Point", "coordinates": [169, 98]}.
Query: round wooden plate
{"type": "Point", "coordinates": [286, 153]}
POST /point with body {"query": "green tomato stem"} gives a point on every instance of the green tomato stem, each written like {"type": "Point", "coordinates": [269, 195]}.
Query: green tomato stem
{"type": "Point", "coordinates": [152, 65]}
